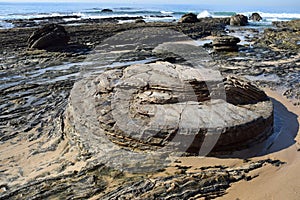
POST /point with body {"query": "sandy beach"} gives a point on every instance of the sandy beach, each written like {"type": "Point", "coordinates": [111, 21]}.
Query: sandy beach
{"type": "Point", "coordinates": [270, 182]}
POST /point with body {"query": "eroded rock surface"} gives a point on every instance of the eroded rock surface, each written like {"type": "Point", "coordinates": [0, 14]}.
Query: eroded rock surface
{"type": "Point", "coordinates": [189, 18]}
{"type": "Point", "coordinates": [41, 161]}
{"type": "Point", "coordinates": [162, 105]}
{"type": "Point", "coordinates": [226, 43]}
{"type": "Point", "coordinates": [255, 17]}
{"type": "Point", "coordinates": [238, 20]}
{"type": "Point", "coordinates": [49, 36]}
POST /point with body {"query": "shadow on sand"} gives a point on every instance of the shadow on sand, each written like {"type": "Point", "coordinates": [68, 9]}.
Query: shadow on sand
{"type": "Point", "coordinates": [286, 127]}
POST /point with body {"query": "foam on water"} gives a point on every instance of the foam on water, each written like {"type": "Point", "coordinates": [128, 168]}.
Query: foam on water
{"type": "Point", "coordinates": [150, 12]}
{"type": "Point", "coordinates": [204, 14]}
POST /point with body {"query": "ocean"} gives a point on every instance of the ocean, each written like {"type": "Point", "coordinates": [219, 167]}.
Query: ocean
{"type": "Point", "coordinates": [161, 12]}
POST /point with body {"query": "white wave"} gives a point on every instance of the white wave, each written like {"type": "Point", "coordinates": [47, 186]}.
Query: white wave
{"type": "Point", "coordinates": [166, 12]}
{"type": "Point", "coordinates": [281, 15]}
{"type": "Point", "coordinates": [71, 19]}
{"type": "Point", "coordinates": [275, 19]}
{"type": "Point", "coordinates": [155, 19]}
{"type": "Point", "coordinates": [106, 16]}
{"type": "Point", "coordinates": [80, 14]}
{"type": "Point", "coordinates": [56, 14]}
{"type": "Point", "coordinates": [275, 15]}
{"type": "Point", "coordinates": [204, 14]}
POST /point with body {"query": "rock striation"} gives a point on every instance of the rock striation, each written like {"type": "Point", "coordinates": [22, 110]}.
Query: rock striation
{"type": "Point", "coordinates": [49, 36]}
{"type": "Point", "coordinates": [226, 43]}
{"type": "Point", "coordinates": [149, 107]}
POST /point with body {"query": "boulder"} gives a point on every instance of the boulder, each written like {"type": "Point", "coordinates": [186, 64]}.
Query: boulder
{"type": "Point", "coordinates": [106, 10]}
{"type": "Point", "coordinates": [49, 36]}
{"type": "Point", "coordinates": [140, 21]}
{"type": "Point", "coordinates": [238, 20]}
{"type": "Point", "coordinates": [226, 43]}
{"type": "Point", "coordinates": [189, 18]}
{"type": "Point", "coordinates": [162, 107]}
{"type": "Point", "coordinates": [255, 17]}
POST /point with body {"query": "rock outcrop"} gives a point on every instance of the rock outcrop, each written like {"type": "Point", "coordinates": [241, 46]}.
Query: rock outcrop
{"type": "Point", "coordinates": [49, 36]}
{"type": "Point", "coordinates": [285, 36]}
{"type": "Point", "coordinates": [139, 21]}
{"type": "Point", "coordinates": [226, 43]}
{"type": "Point", "coordinates": [238, 20]}
{"type": "Point", "coordinates": [255, 17]}
{"type": "Point", "coordinates": [151, 107]}
{"type": "Point", "coordinates": [189, 18]}
{"type": "Point", "coordinates": [106, 10]}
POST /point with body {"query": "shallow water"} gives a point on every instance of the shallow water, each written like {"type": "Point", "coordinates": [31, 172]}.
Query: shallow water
{"type": "Point", "coordinates": [202, 42]}
{"type": "Point", "coordinates": [264, 77]}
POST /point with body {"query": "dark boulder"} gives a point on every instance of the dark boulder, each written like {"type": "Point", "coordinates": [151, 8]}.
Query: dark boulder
{"type": "Point", "coordinates": [226, 43]}
{"type": "Point", "coordinates": [140, 21]}
{"type": "Point", "coordinates": [49, 36]}
{"type": "Point", "coordinates": [238, 20]}
{"type": "Point", "coordinates": [255, 17]}
{"type": "Point", "coordinates": [189, 18]}
{"type": "Point", "coordinates": [107, 10]}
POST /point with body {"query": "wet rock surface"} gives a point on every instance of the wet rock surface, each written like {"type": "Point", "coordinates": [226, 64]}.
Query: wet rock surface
{"type": "Point", "coordinates": [66, 20]}
{"type": "Point", "coordinates": [238, 20]}
{"type": "Point", "coordinates": [189, 18]}
{"type": "Point", "coordinates": [285, 37]}
{"type": "Point", "coordinates": [255, 17]}
{"type": "Point", "coordinates": [39, 160]}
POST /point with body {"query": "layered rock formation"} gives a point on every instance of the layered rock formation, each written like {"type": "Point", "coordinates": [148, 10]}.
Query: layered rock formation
{"type": "Point", "coordinates": [238, 20]}
{"type": "Point", "coordinates": [49, 36]}
{"type": "Point", "coordinates": [167, 107]}
{"type": "Point", "coordinates": [46, 164]}
{"type": "Point", "coordinates": [226, 43]}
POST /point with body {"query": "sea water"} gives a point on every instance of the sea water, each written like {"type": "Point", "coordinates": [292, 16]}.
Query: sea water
{"type": "Point", "coordinates": [150, 12]}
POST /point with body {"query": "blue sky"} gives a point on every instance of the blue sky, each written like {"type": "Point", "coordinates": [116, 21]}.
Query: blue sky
{"type": "Point", "coordinates": [212, 2]}
{"type": "Point", "coordinates": [282, 5]}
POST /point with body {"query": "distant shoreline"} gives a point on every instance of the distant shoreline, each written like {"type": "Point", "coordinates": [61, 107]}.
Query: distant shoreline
{"type": "Point", "coordinates": [149, 12]}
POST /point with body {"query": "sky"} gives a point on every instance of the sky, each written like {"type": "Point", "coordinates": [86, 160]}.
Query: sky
{"type": "Point", "coordinates": [213, 2]}
{"type": "Point", "coordinates": [226, 4]}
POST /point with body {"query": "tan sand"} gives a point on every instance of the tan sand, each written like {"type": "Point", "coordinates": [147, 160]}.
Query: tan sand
{"type": "Point", "coordinates": [271, 182]}
{"type": "Point", "coordinates": [274, 183]}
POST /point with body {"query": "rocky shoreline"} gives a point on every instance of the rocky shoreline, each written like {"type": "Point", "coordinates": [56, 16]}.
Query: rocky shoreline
{"type": "Point", "coordinates": [39, 159]}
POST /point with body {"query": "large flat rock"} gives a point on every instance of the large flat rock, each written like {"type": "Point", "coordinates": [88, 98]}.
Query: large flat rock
{"type": "Point", "coordinates": [154, 106]}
